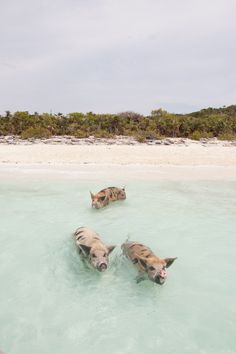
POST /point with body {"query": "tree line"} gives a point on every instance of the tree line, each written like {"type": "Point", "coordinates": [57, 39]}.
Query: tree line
{"type": "Point", "coordinates": [206, 123]}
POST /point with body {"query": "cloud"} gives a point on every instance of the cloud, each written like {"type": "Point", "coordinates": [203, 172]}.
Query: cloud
{"type": "Point", "coordinates": [104, 55]}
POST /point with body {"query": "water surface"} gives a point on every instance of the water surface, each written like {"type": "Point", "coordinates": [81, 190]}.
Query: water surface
{"type": "Point", "coordinates": [50, 303]}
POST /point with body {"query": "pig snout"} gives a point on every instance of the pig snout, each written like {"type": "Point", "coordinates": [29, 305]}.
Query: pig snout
{"type": "Point", "coordinates": [160, 277]}
{"type": "Point", "coordinates": [96, 205]}
{"type": "Point", "coordinates": [102, 267]}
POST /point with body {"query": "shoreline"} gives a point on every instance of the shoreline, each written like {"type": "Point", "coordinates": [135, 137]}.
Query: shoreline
{"type": "Point", "coordinates": [107, 173]}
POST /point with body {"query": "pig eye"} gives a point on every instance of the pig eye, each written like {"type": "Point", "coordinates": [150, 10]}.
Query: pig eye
{"type": "Point", "coordinates": [103, 198]}
{"type": "Point", "coordinates": [93, 255]}
{"type": "Point", "coordinates": [151, 268]}
{"type": "Point", "coordinates": [104, 255]}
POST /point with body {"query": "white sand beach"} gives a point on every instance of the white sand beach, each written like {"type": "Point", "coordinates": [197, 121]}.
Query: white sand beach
{"type": "Point", "coordinates": [195, 161]}
{"type": "Point", "coordinates": [193, 155]}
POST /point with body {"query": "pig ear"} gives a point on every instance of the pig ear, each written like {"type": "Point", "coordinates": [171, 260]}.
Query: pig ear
{"type": "Point", "coordinates": [110, 248]}
{"type": "Point", "coordinates": [104, 198]}
{"type": "Point", "coordinates": [169, 261]}
{"type": "Point", "coordinates": [85, 249]}
{"type": "Point", "coordinates": [92, 195]}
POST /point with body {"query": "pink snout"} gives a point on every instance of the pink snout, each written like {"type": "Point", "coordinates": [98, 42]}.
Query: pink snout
{"type": "Point", "coordinates": [162, 274]}
{"type": "Point", "coordinates": [102, 267]}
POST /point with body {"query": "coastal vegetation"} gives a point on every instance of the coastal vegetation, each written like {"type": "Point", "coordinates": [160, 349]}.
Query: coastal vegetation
{"type": "Point", "coordinates": [206, 123]}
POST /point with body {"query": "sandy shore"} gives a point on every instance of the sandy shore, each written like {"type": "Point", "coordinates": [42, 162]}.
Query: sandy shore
{"type": "Point", "coordinates": [104, 161]}
{"type": "Point", "coordinates": [192, 155]}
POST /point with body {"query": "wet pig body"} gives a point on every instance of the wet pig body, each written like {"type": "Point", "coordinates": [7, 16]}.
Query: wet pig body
{"type": "Point", "coordinates": [149, 265]}
{"type": "Point", "coordinates": [92, 249]}
{"type": "Point", "coordinates": [107, 195]}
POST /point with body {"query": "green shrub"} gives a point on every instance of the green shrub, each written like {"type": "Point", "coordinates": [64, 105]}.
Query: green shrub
{"type": "Point", "coordinates": [103, 134]}
{"type": "Point", "coordinates": [227, 136]}
{"type": "Point", "coordinates": [197, 135]}
{"type": "Point", "coordinates": [152, 135]}
{"type": "Point", "coordinates": [140, 138]}
{"type": "Point", "coordinates": [37, 132]}
{"type": "Point", "coordinates": [80, 134]}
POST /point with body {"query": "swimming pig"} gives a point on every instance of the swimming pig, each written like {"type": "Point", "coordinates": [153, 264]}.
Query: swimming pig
{"type": "Point", "coordinates": [148, 264]}
{"type": "Point", "coordinates": [92, 249]}
{"type": "Point", "coordinates": [107, 195]}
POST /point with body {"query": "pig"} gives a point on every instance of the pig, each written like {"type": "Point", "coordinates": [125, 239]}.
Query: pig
{"type": "Point", "coordinates": [107, 195]}
{"type": "Point", "coordinates": [92, 249]}
{"type": "Point", "coordinates": [147, 263]}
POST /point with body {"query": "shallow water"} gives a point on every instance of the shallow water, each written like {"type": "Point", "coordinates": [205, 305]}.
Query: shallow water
{"type": "Point", "coordinates": [50, 303]}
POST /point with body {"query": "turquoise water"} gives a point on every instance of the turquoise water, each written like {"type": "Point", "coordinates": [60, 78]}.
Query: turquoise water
{"type": "Point", "coordinates": [50, 303]}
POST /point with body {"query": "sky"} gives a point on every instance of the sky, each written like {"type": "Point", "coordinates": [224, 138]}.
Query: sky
{"type": "Point", "coordinates": [114, 56]}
